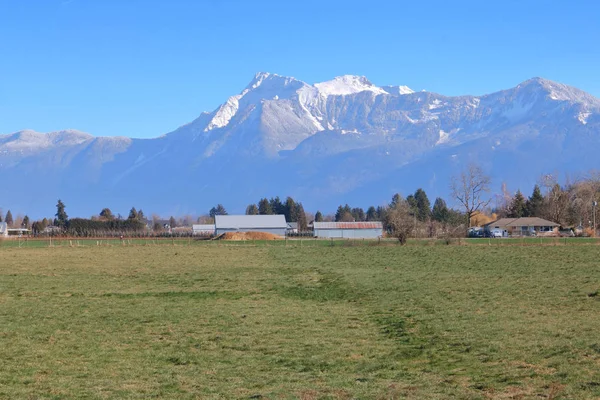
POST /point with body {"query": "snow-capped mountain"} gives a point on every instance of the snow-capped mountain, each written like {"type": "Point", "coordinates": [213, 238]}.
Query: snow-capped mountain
{"type": "Point", "coordinates": [344, 140]}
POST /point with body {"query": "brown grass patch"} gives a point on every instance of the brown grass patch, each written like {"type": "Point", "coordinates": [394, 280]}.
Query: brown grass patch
{"type": "Point", "coordinates": [250, 236]}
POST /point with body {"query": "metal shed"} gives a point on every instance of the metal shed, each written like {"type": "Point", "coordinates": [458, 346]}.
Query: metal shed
{"type": "Point", "coordinates": [349, 230]}
{"type": "Point", "coordinates": [274, 224]}
{"type": "Point", "coordinates": [203, 229]}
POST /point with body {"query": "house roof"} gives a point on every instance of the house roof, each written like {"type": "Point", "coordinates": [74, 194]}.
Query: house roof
{"type": "Point", "coordinates": [525, 221]}
{"type": "Point", "coordinates": [348, 225]}
{"type": "Point", "coordinates": [250, 221]}
{"type": "Point", "coordinates": [293, 225]}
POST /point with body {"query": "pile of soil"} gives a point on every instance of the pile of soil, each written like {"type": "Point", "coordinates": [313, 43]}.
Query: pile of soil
{"type": "Point", "coordinates": [250, 236]}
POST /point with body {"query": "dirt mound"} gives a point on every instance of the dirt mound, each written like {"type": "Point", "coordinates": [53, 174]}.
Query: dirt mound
{"type": "Point", "coordinates": [250, 236]}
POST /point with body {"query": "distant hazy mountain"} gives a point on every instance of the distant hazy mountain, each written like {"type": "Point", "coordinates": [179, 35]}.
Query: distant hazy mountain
{"type": "Point", "coordinates": [345, 140]}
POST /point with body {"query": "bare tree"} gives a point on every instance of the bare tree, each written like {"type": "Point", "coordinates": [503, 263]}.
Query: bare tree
{"type": "Point", "coordinates": [471, 190]}
{"type": "Point", "coordinates": [400, 220]}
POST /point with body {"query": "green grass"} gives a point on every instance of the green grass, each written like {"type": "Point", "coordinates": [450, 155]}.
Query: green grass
{"type": "Point", "coordinates": [273, 321]}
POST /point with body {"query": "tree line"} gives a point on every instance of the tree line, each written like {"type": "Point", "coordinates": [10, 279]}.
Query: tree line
{"type": "Point", "coordinates": [572, 204]}
{"type": "Point", "coordinates": [293, 210]}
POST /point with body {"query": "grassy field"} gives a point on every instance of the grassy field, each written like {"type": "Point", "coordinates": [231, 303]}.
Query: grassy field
{"type": "Point", "coordinates": [369, 322]}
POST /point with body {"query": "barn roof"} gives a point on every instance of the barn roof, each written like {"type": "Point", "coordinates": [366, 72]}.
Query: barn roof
{"type": "Point", "coordinates": [203, 227]}
{"type": "Point", "coordinates": [250, 221]}
{"type": "Point", "coordinates": [348, 225]}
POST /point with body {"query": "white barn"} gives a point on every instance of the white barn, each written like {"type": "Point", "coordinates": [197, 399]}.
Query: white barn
{"type": "Point", "coordinates": [3, 229]}
{"type": "Point", "coordinates": [203, 229]}
{"type": "Point", "coordinates": [348, 230]}
{"type": "Point", "coordinates": [274, 224]}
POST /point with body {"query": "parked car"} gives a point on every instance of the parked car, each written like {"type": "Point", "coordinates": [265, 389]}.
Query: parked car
{"type": "Point", "coordinates": [496, 233]}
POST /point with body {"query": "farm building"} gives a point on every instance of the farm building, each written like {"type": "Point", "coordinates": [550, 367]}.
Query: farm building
{"type": "Point", "coordinates": [5, 231]}
{"type": "Point", "coordinates": [526, 226]}
{"type": "Point", "coordinates": [348, 230]}
{"type": "Point", "coordinates": [292, 227]}
{"type": "Point", "coordinates": [203, 229]}
{"type": "Point", "coordinates": [18, 231]}
{"type": "Point", "coordinates": [274, 224]}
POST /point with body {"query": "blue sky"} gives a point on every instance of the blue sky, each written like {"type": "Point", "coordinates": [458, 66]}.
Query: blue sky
{"type": "Point", "coordinates": [142, 68]}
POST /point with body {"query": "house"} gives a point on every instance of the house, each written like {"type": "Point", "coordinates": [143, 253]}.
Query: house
{"type": "Point", "coordinates": [274, 224]}
{"type": "Point", "coordinates": [525, 226]}
{"type": "Point", "coordinates": [52, 230]}
{"type": "Point", "coordinates": [348, 230]}
{"type": "Point", "coordinates": [3, 229]}
{"type": "Point", "coordinates": [203, 229]}
{"type": "Point", "coordinates": [292, 227]}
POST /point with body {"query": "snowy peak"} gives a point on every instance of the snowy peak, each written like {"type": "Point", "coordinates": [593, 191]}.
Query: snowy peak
{"type": "Point", "coordinates": [398, 90]}
{"type": "Point", "coordinates": [347, 84]}
{"type": "Point", "coordinates": [224, 113]}
{"type": "Point", "coordinates": [557, 91]}
{"type": "Point", "coordinates": [264, 86]}
{"type": "Point", "coordinates": [268, 79]}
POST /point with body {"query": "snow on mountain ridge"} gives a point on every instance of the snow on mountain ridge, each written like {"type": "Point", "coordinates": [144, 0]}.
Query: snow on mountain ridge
{"type": "Point", "coordinates": [398, 90]}
{"type": "Point", "coordinates": [312, 98]}
{"type": "Point", "coordinates": [347, 84]}
{"type": "Point", "coordinates": [31, 139]}
{"type": "Point", "coordinates": [264, 86]}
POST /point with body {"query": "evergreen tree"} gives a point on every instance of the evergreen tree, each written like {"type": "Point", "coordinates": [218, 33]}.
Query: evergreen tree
{"type": "Point", "coordinates": [9, 218]}
{"type": "Point", "coordinates": [358, 214]}
{"type": "Point", "coordinates": [252, 209]}
{"type": "Point", "coordinates": [61, 216]}
{"type": "Point", "coordinates": [381, 213]}
{"type": "Point", "coordinates": [264, 207]}
{"type": "Point", "coordinates": [318, 217]}
{"type": "Point", "coordinates": [344, 214]}
{"type": "Point", "coordinates": [290, 210]}
{"type": "Point", "coordinates": [535, 203]}
{"type": "Point", "coordinates": [277, 207]}
{"type": "Point", "coordinates": [1, 215]}
{"type": "Point", "coordinates": [172, 222]}
{"type": "Point", "coordinates": [302, 223]}
{"type": "Point", "coordinates": [396, 200]}
{"type": "Point", "coordinates": [440, 210]}
{"type": "Point", "coordinates": [133, 214]}
{"type": "Point", "coordinates": [339, 213]}
{"type": "Point", "coordinates": [25, 223]}
{"type": "Point", "coordinates": [372, 214]}
{"type": "Point", "coordinates": [412, 204]}
{"type": "Point", "coordinates": [517, 207]}
{"type": "Point", "coordinates": [218, 210]}
{"type": "Point", "coordinates": [107, 214]}
{"type": "Point", "coordinates": [423, 205]}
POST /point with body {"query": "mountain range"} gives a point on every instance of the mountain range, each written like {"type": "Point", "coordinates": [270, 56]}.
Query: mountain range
{"type": "Point", "coordinates": [341, 141]}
